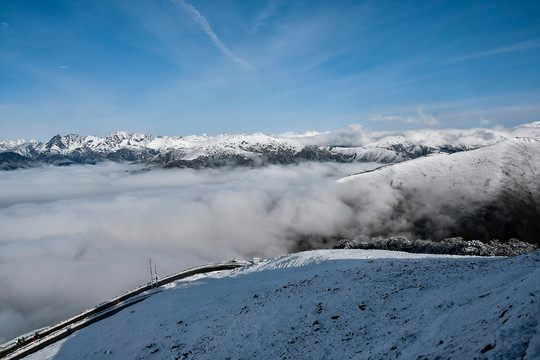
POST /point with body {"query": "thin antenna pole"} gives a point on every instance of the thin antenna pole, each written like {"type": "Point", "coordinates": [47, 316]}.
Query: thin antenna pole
{"type": "Point", "coordinates": [151, 275]}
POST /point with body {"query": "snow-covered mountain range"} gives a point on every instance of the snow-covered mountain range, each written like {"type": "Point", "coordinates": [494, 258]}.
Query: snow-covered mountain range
{"type": "Point", "coordinates": [351, 144]}
{"type": "Point", "coordinates": [330, 304]}
{"type": "Point", "coordinates": [196, 151]}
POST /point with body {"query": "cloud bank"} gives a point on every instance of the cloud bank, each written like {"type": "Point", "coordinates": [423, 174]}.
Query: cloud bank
{"type": "Point", "coordinates": [356, 135]}
{"type": "Point", "coordinates": [75, 236]}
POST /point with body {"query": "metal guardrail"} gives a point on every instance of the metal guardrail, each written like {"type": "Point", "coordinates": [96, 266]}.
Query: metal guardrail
{"type": "Point", "coordinates": [65, 328]}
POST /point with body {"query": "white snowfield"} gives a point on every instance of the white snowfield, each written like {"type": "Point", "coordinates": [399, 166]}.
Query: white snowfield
{"type": "Point", "coordinates": [332, 304]}
{"type": "Point", "coordinates": [475, 173]}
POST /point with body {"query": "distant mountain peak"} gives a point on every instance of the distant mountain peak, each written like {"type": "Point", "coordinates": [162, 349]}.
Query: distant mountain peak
{"type": "Point", "coordinates": [256, 149]}
{"type": "Point", "coordinates": [534, 124]}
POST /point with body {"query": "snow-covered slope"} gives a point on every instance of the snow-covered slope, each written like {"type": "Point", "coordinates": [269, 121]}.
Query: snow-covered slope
{"type": "Point", "coordinates": [331, 304]}
{"type": "Point", "coordinates": [491, 192]}
{"type": "Point", "coordinates": [487, 169]}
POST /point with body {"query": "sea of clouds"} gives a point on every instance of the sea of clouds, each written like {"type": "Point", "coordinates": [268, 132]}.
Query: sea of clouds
{"type": "Point", "coordinates": [75, 236]}
{"type": "Point", "coordinates": [72, 237]}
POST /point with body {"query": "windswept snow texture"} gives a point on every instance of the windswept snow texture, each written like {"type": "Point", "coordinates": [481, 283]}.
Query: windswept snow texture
{"type": "Point", "coordinates": [332, 304]}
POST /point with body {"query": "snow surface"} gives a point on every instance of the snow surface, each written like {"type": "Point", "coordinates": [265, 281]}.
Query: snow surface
{"type": "Point", "coordinates": [484, 168]}
{"type": "Point", "coordinates": [331, 304]}
{"type": "Point", "coordinates": [470, 177]}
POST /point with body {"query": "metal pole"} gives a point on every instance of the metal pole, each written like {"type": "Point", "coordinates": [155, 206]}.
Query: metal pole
{"type": "Point", "coordinates": [151, 275]}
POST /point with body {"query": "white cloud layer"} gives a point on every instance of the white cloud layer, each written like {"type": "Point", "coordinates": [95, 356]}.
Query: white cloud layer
{"type": "Point", "coordinates": [356, 135]}
{"type": "Point", "coordinates": [75, 236]}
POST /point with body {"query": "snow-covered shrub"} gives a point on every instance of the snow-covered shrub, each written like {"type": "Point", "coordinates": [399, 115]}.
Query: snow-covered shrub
{"type": "Point", "coordinates": [452, 246]}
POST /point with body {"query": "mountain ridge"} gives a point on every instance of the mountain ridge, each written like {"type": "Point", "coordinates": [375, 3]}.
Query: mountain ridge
{"type": "Point", "coordinates": [483, 194]}
{"type": "Point", "coordinates": [206, 151]}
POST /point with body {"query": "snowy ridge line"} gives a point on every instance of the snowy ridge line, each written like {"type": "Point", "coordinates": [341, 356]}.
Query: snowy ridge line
{"type": "Point", "coordinates": [63, 329]}
{"type": "Point", "coordinates": [352, 144]}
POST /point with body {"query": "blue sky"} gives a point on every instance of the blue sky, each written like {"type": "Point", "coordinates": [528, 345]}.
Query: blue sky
{"type": "Point", "coordinates": [180, 67]}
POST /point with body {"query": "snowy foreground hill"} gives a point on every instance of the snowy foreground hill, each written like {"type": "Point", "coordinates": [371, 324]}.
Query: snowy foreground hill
{"type": "Point", "coordinates": [331, 304]}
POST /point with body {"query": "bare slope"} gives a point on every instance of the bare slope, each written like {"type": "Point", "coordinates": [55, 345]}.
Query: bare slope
{"type": "Point", "coordinates": [333, 304]}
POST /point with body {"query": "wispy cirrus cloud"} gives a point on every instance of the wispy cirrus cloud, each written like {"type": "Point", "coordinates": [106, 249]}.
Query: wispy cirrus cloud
{"type": "Point", "coordinates": [484, 121]}
{"type": "Point", "coordinates": [5, 27]}
{"type": "Point", "coordinates": [200, 20]}
{"type": "Point", "coordinates": [265, 14]}
{"type": "Point", "coordinates": [531, 44]}
{"type": "Point", "coordinates": [420, 118]}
